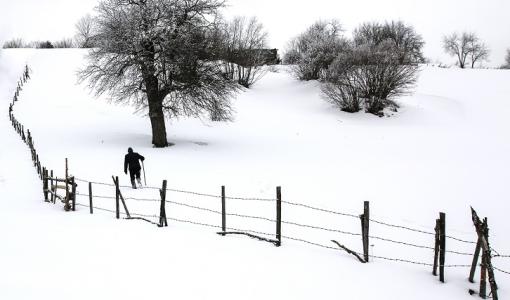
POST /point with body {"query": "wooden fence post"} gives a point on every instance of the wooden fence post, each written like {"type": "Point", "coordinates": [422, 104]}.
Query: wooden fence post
{"type": "Point", "coordinates": [73, 193]}
{"type": "Point", "coordinates": [436, 248]}
{"type": "Point", "coordinates": [162, 211]}
{"type": "Point", "coordinates": [442, 245]}
{"type": "Point", "coordinates": [117, 194]}
{"type": "Point", "coordinates": [45, 185]}
{"type": "Point", "coordinates": [475, 261]}
{"type": "Point", "coordinates": [365, 225]}
{"type": "Point", "coordinates": [90, 198]}
{"type": "Point", "coordinates": [51, 186]}
{"type": "Point", "coordinates": [278, 216]}
{"type": "Point", "coordinates": [67, 207]}
{"type": "Point", "coordinates": [223, 211]}
{"type": "Point", "coordinates": [483, 277]}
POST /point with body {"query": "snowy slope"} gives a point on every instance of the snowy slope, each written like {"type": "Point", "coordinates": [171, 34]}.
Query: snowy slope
{"type": "Point", "coordinates": [445, 150]}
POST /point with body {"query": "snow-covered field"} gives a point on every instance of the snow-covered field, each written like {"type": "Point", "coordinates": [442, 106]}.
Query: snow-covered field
{"type": "Point", "coordinates": [446, 149]}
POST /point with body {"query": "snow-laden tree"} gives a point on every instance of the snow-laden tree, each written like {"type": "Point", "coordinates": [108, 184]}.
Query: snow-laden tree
{"type": "Point", "coordinates": [161, 55]}
{"type": "Point", "coordinates": [244, 43]}
{"type": "Point", "coordinates": [314, 50]}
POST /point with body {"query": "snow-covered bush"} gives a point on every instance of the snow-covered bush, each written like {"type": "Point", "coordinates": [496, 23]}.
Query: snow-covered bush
{"type": "Point", "coordinates": [404, 40]}
{"type": "Point", "coordinates": [312, 52]}
{"type": "Point", "coordinates": [368, 76]}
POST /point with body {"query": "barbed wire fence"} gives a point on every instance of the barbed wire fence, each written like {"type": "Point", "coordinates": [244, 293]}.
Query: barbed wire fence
{"type": "Point", "coordinates": [275, 238]}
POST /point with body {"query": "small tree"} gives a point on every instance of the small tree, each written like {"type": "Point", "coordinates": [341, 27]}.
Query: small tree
{"type": "Point", "coordinates": [85, 32]}
{"type": "Point", "coordinates": [315, 49]}
{"type": "Point", "coordinates": [160, 55]}
{"type": "Point", "coordinates": [507, 60]}
{"type": "Point", "coordinates": [244, 42]}
{"type": "Point", "coordinates": [478, 52]}
{"type": "Point", "coordinates": [44, 45]}
{"type": "Point", "coordinates": [64, 43]}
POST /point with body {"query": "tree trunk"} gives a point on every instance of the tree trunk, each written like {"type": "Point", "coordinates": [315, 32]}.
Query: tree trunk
{"type": "Point", "coordinates": [157, 118]}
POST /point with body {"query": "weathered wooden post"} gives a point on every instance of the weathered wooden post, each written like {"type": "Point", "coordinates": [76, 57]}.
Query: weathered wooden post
{"type": "Point", "coordinates": [67, 206]}
{"type": "Point", "coordinates": [483, 277]}
{"type": "Point", "coordinates": [436, 248]}
{"type": "Point", "coordinates": [223, 211]}
{"type": "Point", "coordinates": [475, 261]}
{"type": "Point", "coordinates": [365, 225]}
{"type": "Point", "coordinates": [73, 193]}
{"type": "Point", "coordinates": [442, 245]}
{"type": "Point", "coordinates": [45, 185]}
{"type": "Point", "coordinates": [90, 198]}
{"type": "Point", "coordinates": [278, 216]}
{"type": "Point", "coordinates": [117, 194]}
{"type": "Point", "coordinates": [51, 184]}
{"type": "Point", "coordinates": [162, 212]}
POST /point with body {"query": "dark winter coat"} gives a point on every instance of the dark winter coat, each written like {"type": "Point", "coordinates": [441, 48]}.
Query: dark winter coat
{"type": "Point", "coordinates": [131, 160]}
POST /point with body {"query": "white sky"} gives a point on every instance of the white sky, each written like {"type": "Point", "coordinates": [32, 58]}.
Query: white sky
{"type": "Point", "coordinates": [55, 19]}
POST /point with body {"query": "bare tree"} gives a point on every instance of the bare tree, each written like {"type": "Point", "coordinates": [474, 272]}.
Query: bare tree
{"type": "Point", "coordinates": [459, 45]}
{"type": "Point", "coordinates": [15, 43]}
{"type": "Point", "coordinates": [160, 55]}
{"type": "Point", "coordinates": [315, 49]}
{"type": "Point", "coordinates": [478, 51]}
{"type": "Point", "coordinates": [85, 32]}
{"type": "Point", "coordinates": [244, 41]}
{"type": "Point", "coordinates": [64, 43]}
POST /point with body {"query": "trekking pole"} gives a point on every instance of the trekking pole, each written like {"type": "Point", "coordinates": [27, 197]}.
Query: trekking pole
{"type": "Point", "coordinates": [144, 178]}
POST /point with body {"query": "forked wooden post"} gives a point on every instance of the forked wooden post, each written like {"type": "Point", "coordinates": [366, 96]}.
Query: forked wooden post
{"type": "Point", "coordinates": [483, 277]}
{"type": "Point", "coordinates": [436, 248]}
{"type": "Point", "coordinates": [442, 245]}
{"type": "Point", "coordinates": [90, 198]}
{"type": "Point", "coordinates": [162, 213]}
{"type": "Point", "coordinates": [117, 195]}
{"type": "Point", "coordinates": [223, 211]}
{"type": "Point", "coordinates": [278, 216]}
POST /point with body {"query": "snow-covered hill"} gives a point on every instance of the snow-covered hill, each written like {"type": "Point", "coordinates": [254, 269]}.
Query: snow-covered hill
{"type": "Point", "coordinates": [446, 149]}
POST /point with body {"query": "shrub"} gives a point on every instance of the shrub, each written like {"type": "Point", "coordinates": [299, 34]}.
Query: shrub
{"type": "Point", "coordinates": [14, 43]}
{"type": "Point", "coordinates": [368, 76]}
{"type": "Point", "coordinates": [44, 45]}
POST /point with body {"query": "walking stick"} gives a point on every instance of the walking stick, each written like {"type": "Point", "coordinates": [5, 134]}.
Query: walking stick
{"type": "Point", "coordinates": [144, 178]}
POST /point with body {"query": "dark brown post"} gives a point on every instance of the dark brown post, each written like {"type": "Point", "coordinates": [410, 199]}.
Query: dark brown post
{"type": "Point", "coordinates": [90, 198]}
{"type": "Point", "coordinates": [51, 183]}
{"type": "Point", "coordinates": [483, 277]}
{"type": "Point", "coordinates": [162, 212]}
{"type": "Point", "coordinates": [436, 249]}
{"type": "Point", "coordinates": [365, 222]}
{"type": "Point", "coordinates": [73, 193]}
{"type": "Point", "coordinates": [278, 216]}
{"type": "Point", "coordinates": [117, 194]}
{"type": "Point", "coordinates": [475, 261]}
{"type": "Point", "coordinates": [45, 185]}
{"type": "Point", "coordinates": [442, 246]}
{"type": "Point", "coordinates": [223, 211]}
{"type": "Point", "coordinates": [66, 205]}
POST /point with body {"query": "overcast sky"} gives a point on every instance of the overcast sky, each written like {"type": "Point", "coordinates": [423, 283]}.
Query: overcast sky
{"type": "Point", "coordinates": [283, 19]}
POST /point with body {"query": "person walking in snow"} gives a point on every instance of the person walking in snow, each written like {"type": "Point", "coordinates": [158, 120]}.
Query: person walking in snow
{"type": "Point", "coordinates": [131, 160]}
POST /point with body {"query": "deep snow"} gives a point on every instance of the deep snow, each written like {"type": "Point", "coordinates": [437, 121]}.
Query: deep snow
{"type": "Point", "coordinates": [446, 149]}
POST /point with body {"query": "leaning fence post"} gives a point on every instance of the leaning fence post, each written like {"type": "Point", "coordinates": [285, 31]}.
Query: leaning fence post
{"type": "Point", "coordinates": [90, 198]}
{"type": "Point", "coordinates": [162, 212]}
{"type": "Point", "coordinates": [223, 211]}
{"type": "Point", "coordinates": [483, 276]}
{"type": "Point", "coordinates": [442, 247]}
{"type": "Point", "coordinates": [278, 216]}
{"type": "Point", "coordinates": [117, 212]}
{"type": "Point", "coordinates": [436, 248]}
{"type": "Point", "coordinates": [475, 261]}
